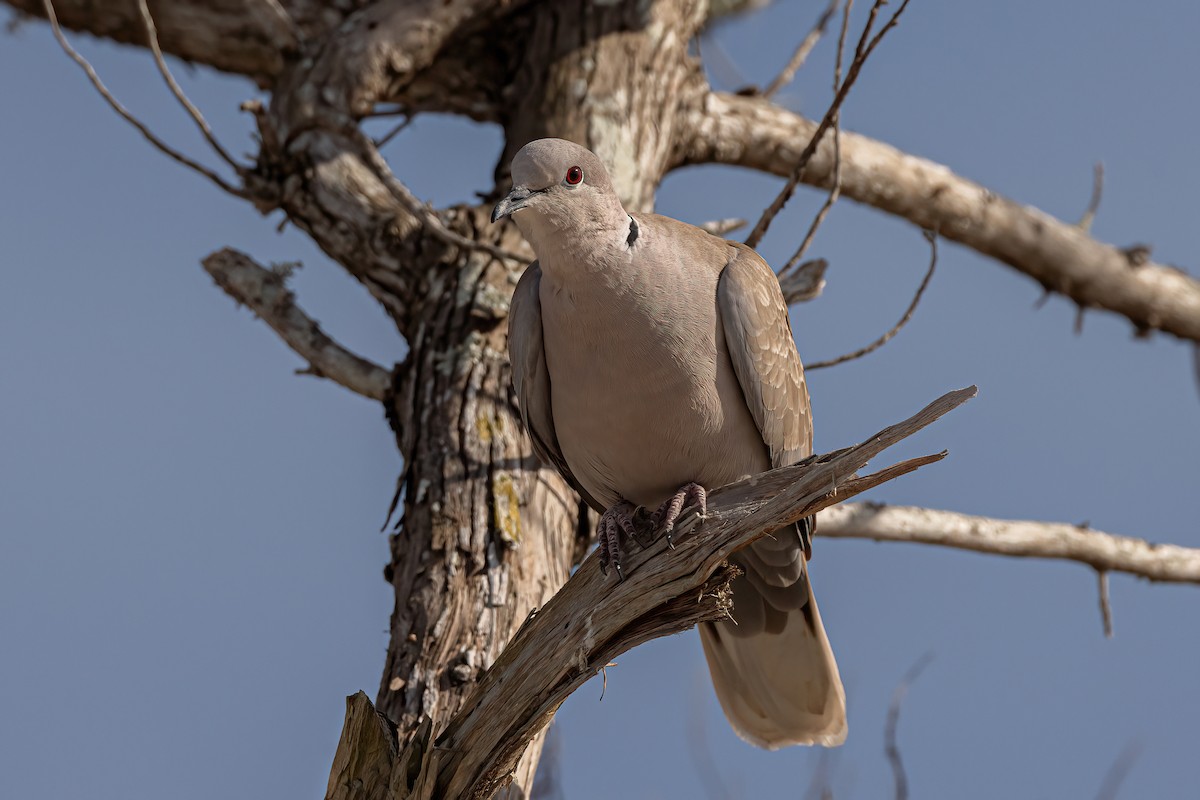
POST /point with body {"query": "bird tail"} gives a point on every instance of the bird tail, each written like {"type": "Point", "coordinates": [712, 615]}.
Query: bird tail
{"type": "Point", "coordinates": [779, 685]}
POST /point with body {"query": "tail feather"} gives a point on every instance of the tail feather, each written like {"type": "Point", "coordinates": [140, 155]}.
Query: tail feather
{"type": "Point", "coordinates": [778, 688]}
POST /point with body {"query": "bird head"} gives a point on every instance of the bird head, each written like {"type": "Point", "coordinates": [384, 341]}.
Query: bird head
{"type": "Point", "coordinates": [558, 186]}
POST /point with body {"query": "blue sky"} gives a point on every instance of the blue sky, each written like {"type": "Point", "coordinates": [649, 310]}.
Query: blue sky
{"type": "Point", "coordinates": [190, 562]}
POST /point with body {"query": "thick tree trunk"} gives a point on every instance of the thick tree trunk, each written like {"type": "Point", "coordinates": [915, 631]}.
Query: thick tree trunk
{"type": "Point", "coordinates": [486, 536]}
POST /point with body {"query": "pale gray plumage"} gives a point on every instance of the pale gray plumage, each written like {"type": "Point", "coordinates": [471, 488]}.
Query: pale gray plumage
{"type": "Point", "coordinates": [648, 354]}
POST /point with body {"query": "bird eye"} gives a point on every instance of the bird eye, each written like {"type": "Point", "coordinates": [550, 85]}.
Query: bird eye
{"type": "Point", "coordinates": [574, 176]}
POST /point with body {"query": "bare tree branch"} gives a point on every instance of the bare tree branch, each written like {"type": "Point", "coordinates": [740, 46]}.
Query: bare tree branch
{"type": "Point", "coordinates": [1085, 222]}
{"type": "Point", "coordinates": [1105, 603]}
{"type": "Point", "coordinates": [835, 191]}
{"type": "Point", "coordinates": [395, 131]}
{"type": "Point", "coordinates": [263, 290]}
{"type": "Point", "coordinates": [124, 113]}
{"type": "Point", "coordinates": [751, 132]}
{"type": "Point", "coordinates": [890, 745]}
{"type": "Point", "coordinates": [422, 211]}
{"type": "Point", "coordinates": [802, 51]}
{"type": "Point", "coordinates": [908, 314]}
{"type": "Point", "coordinates": [188, 106]}
{"type": "Point", "coordinates": [236, 36]}
{"type": "Point", "coordinates": [591, 620]}
{"type": "Point", "coordinates": [1119, 770]}
{"type": "Point", "coordinates": [866, 45]}
{"type": "Point", "coordinates": [1107, 552]}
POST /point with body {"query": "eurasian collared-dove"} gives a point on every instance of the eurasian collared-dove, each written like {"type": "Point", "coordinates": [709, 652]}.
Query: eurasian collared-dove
{"type": "Point", "coordinates": [651, 359]}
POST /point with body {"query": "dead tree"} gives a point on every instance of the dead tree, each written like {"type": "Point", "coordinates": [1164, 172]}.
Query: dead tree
{"type": "Point", "coordinates": [487, 538]}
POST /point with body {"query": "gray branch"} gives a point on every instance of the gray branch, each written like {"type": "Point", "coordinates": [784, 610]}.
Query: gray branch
{"type": "Point", "coordinates": [752, 132]}
{"type": "Point", "coordinates": [264, 291]}
{"type": "Point", "coordinates": [1105, 552]}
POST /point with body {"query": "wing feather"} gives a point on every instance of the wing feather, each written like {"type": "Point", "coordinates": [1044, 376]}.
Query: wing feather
{"type": "Point", "coordinates": [759, 338]}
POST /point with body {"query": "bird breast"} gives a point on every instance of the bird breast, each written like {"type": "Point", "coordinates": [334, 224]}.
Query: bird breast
{"type": "Point", "coordinates": [642, 390]}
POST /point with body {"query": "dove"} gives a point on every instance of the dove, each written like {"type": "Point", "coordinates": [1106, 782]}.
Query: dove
{"type": "Point", "coordinates": [653, 361]}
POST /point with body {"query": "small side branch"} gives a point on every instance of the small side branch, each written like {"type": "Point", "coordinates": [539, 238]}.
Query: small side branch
{"type": "Point", "coordinates": [786, 274]}
{"type": "Point", "coordinates": [1105, 604]}
{"type": "Point", "coordinates": [263, 290]}
{"type": "Point", "coordinates": [891, 746]}
{"type": "Point", "coordinates": [177, 90]}
{"type": "Point", "coordinates": [1089, 215]}
{"type": "Point", "coordinates": [802, 51]}
{"type": "Point", "coordinates": [414, 206]}
{"type": "Point", "coordinates": [866, 46]}
{"type": "Point", "coordinates": [908, 314]}
{"type": "Point", "coordinates": [1104, 552]}
{"type": "Point", "coordinates": [124, 113]}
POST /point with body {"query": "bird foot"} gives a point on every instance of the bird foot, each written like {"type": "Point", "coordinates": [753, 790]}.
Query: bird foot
{"type": "Point", "coordinates": [614, 522]}
{"type": "Point", "coordinates": [691, 494]}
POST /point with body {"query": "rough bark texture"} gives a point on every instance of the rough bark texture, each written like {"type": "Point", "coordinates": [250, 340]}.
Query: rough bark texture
{"type": "Point", "coordinates": [486, 536]}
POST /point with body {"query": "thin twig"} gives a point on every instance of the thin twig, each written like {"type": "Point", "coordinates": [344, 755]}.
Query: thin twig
{"type": "Point", "coordinates": [908, 313]}
{"type": "Point", "coordinates": [802, 51]}
{"type": "Point", "coordinates": [420, 210]}
{"type": "Point", "coordinates": [890, 746]}
{"type": "Point", "coordinates": [387, 137]}
{"type": "Point", "coordinates": [1119, 770]}
{"type": "Point", "coordinates": [862, 42]}
{"type": "Point", "coordinates": [835, 191]}
{"type": "Point", "coordinates": [866, 45]}
{"type": "Point", "coordinates": [124, 113]}
{"type": "Point", "coordinates": [1105, 603]}
{"type": "Point", "coordinates": [1085, 222]}
{"type": "Point", "coordinates": [173, 85]}
{"type": "Point", "coordinates": [841, 45]}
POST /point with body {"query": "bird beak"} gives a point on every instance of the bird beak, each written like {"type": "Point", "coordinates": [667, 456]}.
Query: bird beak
{"type": "Point", "coordinates": [515, 200]}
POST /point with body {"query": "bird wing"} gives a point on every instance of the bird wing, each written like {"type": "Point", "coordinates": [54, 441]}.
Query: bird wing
{"type": "Point", "coordinates": [531, 379]}
{"type": "Point", "coordinates": [774, 671]}
{"type": "Point", "coordinates": [759, 337]}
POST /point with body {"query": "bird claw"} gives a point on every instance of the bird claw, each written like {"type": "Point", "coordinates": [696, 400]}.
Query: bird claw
{"type": "Point", "coordinates": [614, 522]}
{"type": "Point", "coordinates": [691, 494]}
{"type": "Point", "coordinates": [621, 521]}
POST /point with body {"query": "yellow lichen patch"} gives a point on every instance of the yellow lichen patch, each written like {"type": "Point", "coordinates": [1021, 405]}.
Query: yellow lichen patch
{"type": "Point", "coordinates": [485, 427]}
{"type": "Point", "coordinates": [507, 508]}
{"type": "Point", "coordinates": [488, 427]}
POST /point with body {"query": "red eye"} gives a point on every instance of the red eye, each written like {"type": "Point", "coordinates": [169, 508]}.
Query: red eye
{"type": "Point", "coordinates": [574, 176]}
